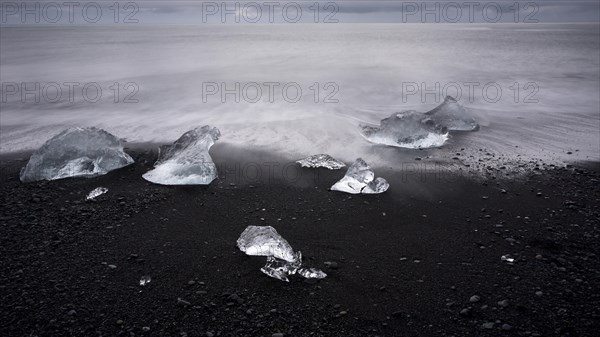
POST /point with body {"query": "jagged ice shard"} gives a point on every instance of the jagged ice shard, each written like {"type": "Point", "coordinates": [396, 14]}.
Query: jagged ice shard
{"type": "Point", "coordinates": [311, 273]}
{"type": "Point", "coordinates": [265, 241]}
{"type": "Point", "coordinates": [409, 129]}
{"type": "Point", "coordinates": [321, 160]}
{"type": "Point", "coordinates": [415, 130]}
{"type": "Point", "coordinates": [453, 116]}
{"type": "Point", "coordinates": [76, 152]}
{"type": "Point", "coordinates": [96, 193]}
{"type": "Point", "coordinates": [282, 261]}
{"type": "Point", "coordinates": [186, 161]}
{"type": "Point", "coordinates": [360, 179]}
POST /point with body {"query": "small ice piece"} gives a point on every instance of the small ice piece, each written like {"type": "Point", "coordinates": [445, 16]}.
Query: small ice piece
{"type": "Point", "coordinates": [76, 152]}
{"type": "Point", "coordinates": [321, 160]}
{"type": "Point", "coordinates": [280, 269]}
{"type": "Point", "coordinates": [507, 258]}
{"type": "Point", "coordinates": [379, 185]}
{"type": "Point", "coordinates": [186, 161]}
{"type": "Point", "coordinates": [96, 192]}
{"type": "Point", "coordinates": [281, 259]}
{"type": "Point", "coordinates": [359, 179]}
{"type": "Point", "coordinates": [408, 129]}
{"type": "Point", "coordinates": [453, 116]}
{"type": "Point", "coordinates": [311, 273]}
{"type": "Point", "coordinates": [275, 273]}
{"type": "Point", "coordinates": [145, 280]}
{"type": "Point", "coordinates": [265, 241]}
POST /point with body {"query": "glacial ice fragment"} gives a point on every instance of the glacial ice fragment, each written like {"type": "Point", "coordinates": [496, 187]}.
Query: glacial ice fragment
{"type": "Point", "coordinates": [321, 160]}
{"type": "Point", "coordinates": [409, 129]}
{"type": "Point", "coordinates": [96, 192]}
{"type": "Point", "coordinates": [379, 185]}
{"type": "Point", "coordinates": [76, 152]}
{"type": "Point", "coordinates": [282, 261]}
{"type": "Point", "coordinates": [145, 280]}
{"type": "Point", "coordinates": [265, 241]}
{"type": "Point", "coordinates": [186, 161]}
{"type": "Point", "coordinates": [360, 179]}
{"type": "Point", "coordinates": [280, 269]}
{"type": "Point", "coordinates": [453, 116]}
{"type": "Point", "coordinates": [311, 273]}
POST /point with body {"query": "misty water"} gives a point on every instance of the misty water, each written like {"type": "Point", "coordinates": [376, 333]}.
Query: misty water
{"type": "Point", "coordinates": [166, 77]}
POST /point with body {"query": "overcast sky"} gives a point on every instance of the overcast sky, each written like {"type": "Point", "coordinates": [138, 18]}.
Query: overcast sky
{"type": "Point", "coordinates": [294, 12]}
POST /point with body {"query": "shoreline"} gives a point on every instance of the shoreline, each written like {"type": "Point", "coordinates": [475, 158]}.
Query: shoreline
{"type": "Point", "coordinates": [250, 165]}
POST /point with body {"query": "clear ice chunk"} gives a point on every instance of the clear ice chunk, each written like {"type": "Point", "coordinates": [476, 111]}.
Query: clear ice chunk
{"type": "Point", "coordinates": [453, 116]}
{"type": "Point", "coordinates": [96, 192]}
{"type": "Point", "coordinates": [408, 129]}
{"type": "Point", "coordinates": [76, 152]}
{"type": "Point", "coordinates": [282, 261]}
{"type": "Point", "coordinates": [145, 280]}
{"type": "Point", "coordinates": [275, 273]}
{"type": "Point", "coordinates": [186, 161]}
{"type": "Point", "coordinates": [265, 241]}
{"type": "Point", "coordinates": [280, 269]}
{"type": "Point", "coordinates": [311, 273]}
{"type": "Point", "coordinates": [379, 185]}
{"type": "Point", "coordinates": [321, 160]}
{"type": "Point", "coordinates": [360, 179]}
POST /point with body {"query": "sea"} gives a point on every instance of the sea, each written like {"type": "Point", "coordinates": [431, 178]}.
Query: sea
{"type": "Point", "coordinates": [298, 90]}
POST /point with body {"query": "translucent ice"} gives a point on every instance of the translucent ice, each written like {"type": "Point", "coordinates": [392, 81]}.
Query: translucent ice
{"type": "Point", "coordinates": [379, 185]}
{"type": "Point", "coordinates": [145, 280]}
{"type": "Point", "coordinates": [280, 269]}
{"type": "Point", "coordinates": [186, 161]}
{"type": "Point", "coordinates": [265, 241]}
{"type": "Point", "coordinates": [360, 179]}
{"type": "Point", "coordinates": [321, 160]}
{"type": "Point", "coordinates": [453, 116]}
{"type": "Point", "coordinates": [282, 261]}
{"type": "Point", "coordinates": [76, 152]}
{"type": "Point", "coordinates": [311, 273]}
{"type": "Point", "coordinates": [409, 129]}
{"type": "Point", "coordinates": [96, 192]}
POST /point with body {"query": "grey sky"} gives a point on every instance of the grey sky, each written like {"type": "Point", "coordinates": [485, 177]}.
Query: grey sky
{"type": "Point", "coordinates": [264, 12]}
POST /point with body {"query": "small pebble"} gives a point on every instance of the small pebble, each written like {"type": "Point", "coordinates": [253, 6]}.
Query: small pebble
{"type": "Point", "coordinates": [488, 325]}
{"type": "Point", "coordinates": [503, 303]}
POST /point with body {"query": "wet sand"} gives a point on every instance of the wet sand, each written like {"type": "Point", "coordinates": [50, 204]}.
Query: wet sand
{"type": "Point", "coordinates": [422, 259]}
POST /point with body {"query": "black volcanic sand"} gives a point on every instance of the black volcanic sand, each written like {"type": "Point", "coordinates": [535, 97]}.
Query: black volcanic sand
{"type": "Point", "coordinates": [423, 259]}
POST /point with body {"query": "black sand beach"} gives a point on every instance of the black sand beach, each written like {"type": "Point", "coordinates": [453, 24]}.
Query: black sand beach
{"type": "Point", "coordinates": [422, 259]}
